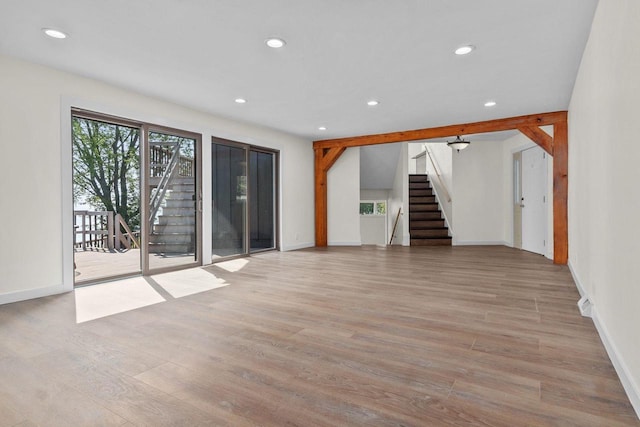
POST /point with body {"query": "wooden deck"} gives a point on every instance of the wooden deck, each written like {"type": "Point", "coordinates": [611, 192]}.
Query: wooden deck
{"type": "Point", "coordinates": [96, 264]}
{"type": "Point", "coordinates": [421, 336]}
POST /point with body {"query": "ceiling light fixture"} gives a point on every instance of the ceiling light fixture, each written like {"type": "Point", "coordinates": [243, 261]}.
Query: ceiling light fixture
{"type": "Point", "coordinates": [490, 104]}
{"type": "Point", "coordinates": [55, 34]}
{"type": "Point", "coordinates": [322, 128]}
{"type": "Point", "coordinates": [241, 101]}
{"type": "Point", "coordinates": [275, 43]}
{"type": "Point", "coordinates": [373, 103]}
{"type": "Point", "coordinates": [463, 50]}
{"type": "Point", "coordinates": [458, 144]}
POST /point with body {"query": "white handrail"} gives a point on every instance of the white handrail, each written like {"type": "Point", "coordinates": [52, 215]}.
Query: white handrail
{"type": "Point", "coordinates": [435, 168]}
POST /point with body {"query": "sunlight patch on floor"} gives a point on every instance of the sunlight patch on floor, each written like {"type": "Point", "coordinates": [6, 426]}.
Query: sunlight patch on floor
{"type": "Point", "coordinates": [106, 299]}
{"type": "Point", "coordinates": [232, 265]}
{"type": "Point", "coordinates": [188, 282]}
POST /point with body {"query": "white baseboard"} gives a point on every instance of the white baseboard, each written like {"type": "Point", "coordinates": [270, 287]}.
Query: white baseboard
{"type": "Point", "coordinates": [478, 243]}
{"type": "Point", "coordinates": [31, 294]}
{"type": "Point", "coordinates": [630, 385]}
{"type": "Point", "coordinates": [576, 280]}
{"type": "Point", "coordinates": [344, 243]}
{"type": "Point", "coordinates": [628, 382]}
{"type": "Point", "coordinates": [296, 247]}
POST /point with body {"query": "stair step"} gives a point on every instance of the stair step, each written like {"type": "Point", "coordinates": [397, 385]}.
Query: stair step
{"type": "Point", "coordinates": [421, 225]}
{"type": "Point", "coordinates": [176, 219]}
{"type": "Point", "coordinates": [421, 216]}
{"type": "Point", "coordinates": [180, 211]}
{"type": "Point", "coordinates": [184, 238]}
{"type": "Point", "coordinates": [420, 192]}
{"type": "Point", "coordinates": [174, 228]}
{"type": "Point", "coordinates": [444, 241]}
{"type": "Point", "coordinates": [418, 178]}
{"type": "Point", "coordinates": [430, 232]}
{"type": "Point", "coordinates": [422, 199]}
{"type": "Point", "coordinates": [419, 185]}
{"type": "Point", "coordinates": [171, 248]}
{"type": "Point", "coordinates": [179, 203]}
{"type": "Point", "coordinates": [423, 207]}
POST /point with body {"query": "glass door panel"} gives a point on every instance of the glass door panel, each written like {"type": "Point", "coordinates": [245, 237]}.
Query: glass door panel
{"type": "Point", "coordinates": [106, 199]}
{"type": "Point", "coordinates": [173, 200]}
{"type": "Point", "coordinates": [262, 200]}
{"type": "Point", "coordinates": [229, 199]}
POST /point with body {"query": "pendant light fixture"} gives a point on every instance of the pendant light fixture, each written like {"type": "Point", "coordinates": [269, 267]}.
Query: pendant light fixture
{"type": "Point", "coordinates": [458, 144]}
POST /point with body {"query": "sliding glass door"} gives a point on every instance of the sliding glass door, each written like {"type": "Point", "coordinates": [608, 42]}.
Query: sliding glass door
{"type": "Point", "coordinates": [262, 195]}
{"type": "Point", "coordinates": [243, 182]}
{"type": "Point", "coordinates": [106, 198]}
{"type": "Point", "coordinates": [174, 199]}
{"type": "Point", "coordinates": [229, 199]}
{"type": "Point", "coordinates": [137, 197]}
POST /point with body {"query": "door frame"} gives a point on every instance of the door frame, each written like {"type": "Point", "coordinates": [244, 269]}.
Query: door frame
{"type": "Point", "coordinates": [276, 196]}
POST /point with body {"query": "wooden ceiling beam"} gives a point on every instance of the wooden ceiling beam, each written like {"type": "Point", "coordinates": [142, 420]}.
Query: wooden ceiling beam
{"type": "Point", "coordinates": [540, 137]}
{"type": "Point", "coordinates": [510, 123]}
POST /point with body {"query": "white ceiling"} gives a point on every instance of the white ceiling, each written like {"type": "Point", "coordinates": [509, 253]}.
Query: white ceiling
{"type": "Point", "coordinates": [339, 54]}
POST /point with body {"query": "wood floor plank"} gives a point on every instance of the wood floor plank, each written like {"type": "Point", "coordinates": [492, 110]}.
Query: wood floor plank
{"type": "Point", "coordinates": [399, 336]}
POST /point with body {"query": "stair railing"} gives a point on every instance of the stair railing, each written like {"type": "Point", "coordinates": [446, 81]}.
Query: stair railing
{"type": "Point", "coordinates": [395, 225]}
{"type": "Point", "coordinates": [160, 191]}
{"type": "Point", "coordinates": [436, 169]}
{"type": "Point", "coordinates": [443, 186]}
{"type": "Point", "coordinates": [128, 239]}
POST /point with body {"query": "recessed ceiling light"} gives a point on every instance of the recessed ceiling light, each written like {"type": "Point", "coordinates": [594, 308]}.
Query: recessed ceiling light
{"type": "Point", "coordinates": [322, 128]}
{"type": "Point", "coordinates": [373, 103]}
{"type": "Point", "coordinates": [56, 34]}
{"type": "Point", "coordinates": [275, 42]}
{"type": "Point", "coordinates": [241, 101]}
{"type": "Point", "coordinates": [490, 104]}
{"type": "Point", "coordinates": [463, 50]}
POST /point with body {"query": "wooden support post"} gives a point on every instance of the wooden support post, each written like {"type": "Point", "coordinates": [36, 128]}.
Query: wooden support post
{"type": "Point", "coordinates": [321, 199]}
{"type": "Point", "coordinates": [560, 192]}
{"type": "Point", "coordinates": [324, 159]}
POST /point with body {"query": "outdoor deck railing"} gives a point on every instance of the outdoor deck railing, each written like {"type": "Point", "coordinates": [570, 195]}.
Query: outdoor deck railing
{"type": "Point", "coordinates": [102, 230]}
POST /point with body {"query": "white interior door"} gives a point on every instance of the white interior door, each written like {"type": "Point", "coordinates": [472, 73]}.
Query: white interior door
{"type": "Point", "coordinates": [534, 200]}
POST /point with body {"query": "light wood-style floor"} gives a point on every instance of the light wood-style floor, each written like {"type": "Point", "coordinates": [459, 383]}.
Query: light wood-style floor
{"type": "Point", "coordinates": [324, 337]}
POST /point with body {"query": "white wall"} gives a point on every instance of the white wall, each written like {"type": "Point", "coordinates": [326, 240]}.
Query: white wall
{"type": "Point", "coordinates": [510, 146]}
{"type": "Point", "coordinates": [478, 196]}
{"type": "Point", "coordinates": [343, 200]}
{"type": "Point", "coordinates": [35, 170]}
{"type": "Point", "coordinates": [604, 199]}
{"type": "Point", "coordinates": [373, 228]}
{"type": "Point", "coordinates": [399, 199]}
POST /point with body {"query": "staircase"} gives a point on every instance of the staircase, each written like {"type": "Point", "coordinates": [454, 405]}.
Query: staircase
{"type": "Point", "coordinates": [426, 226]}
{"type": "Point", "coordinates": [174, 231]}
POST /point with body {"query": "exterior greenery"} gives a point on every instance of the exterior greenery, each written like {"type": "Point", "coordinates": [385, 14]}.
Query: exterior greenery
{"type": "Point", "coordinates": [106, 168]}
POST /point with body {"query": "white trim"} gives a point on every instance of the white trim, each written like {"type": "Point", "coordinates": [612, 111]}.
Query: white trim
{"type": "Point", "coordinates": [31, 294]}
{"type": "Point", "coordinates": [358, 243]}
{"type": "Point", "coordinates": [298, 246]}
{"type": "Point", "coordinates": [627, 380]}
{"type": "Point", "coordinates": [479, 243]}
{"type": "Point", "coordinates": [576, 280]}
{"type": "Point", "coordinates": [66, 172]}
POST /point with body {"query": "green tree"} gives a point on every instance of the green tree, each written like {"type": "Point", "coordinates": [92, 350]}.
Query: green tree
{"type": "Point", "coordinates": [106, 165]}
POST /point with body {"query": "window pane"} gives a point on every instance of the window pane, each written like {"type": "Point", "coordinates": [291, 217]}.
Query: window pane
{"type": "Point", "coordinates": [229, 197]}
{"type": "Point", "coordinates": [366, 208]}
{"type": "Point", "coordinates": [261, 203]}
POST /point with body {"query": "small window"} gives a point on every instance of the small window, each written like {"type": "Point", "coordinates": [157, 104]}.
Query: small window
{"type": "Point", "coordinates": [373, 207]}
